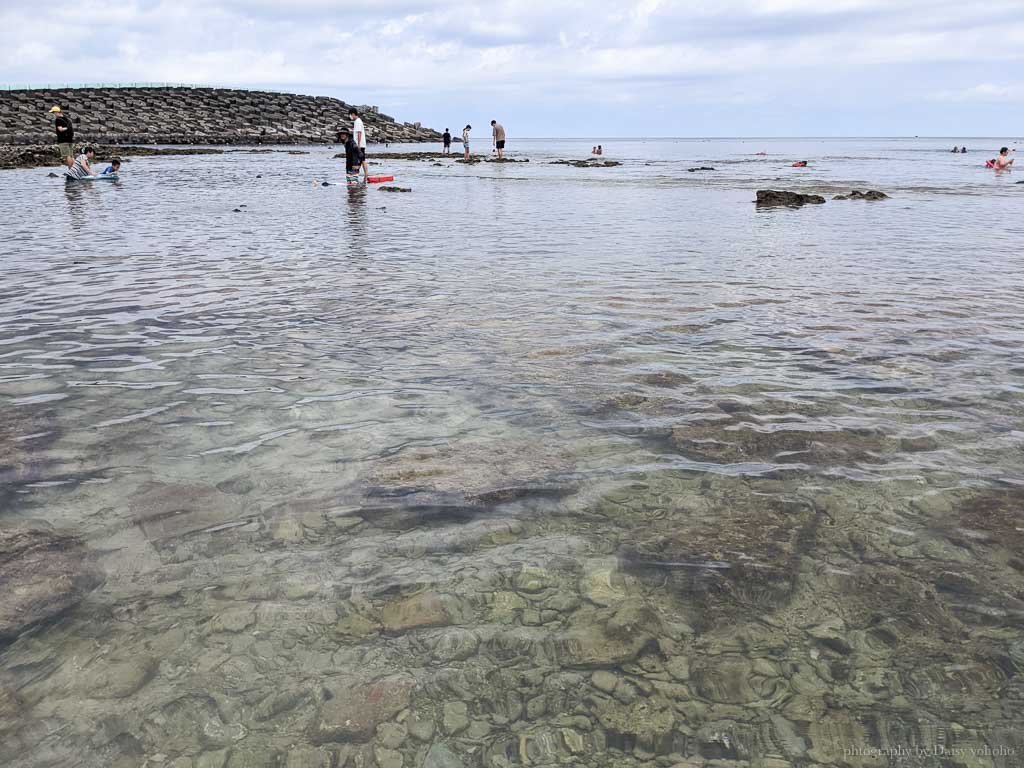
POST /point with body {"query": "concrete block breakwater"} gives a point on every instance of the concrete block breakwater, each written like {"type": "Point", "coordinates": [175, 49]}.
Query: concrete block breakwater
{"type": "Point", "coordinates": [169, 115]}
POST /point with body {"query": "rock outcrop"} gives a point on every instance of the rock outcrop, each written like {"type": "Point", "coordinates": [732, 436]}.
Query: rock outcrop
{"type": "Point", "coordinates": [871, 194]}
{"type": "Point", "coordinates": [191, 116]}
{"type": "Point", "coordinates": [791, 199]}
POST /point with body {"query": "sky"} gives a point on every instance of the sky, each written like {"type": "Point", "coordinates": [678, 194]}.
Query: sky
{"type": "Point", "coordinates": [565, 69]}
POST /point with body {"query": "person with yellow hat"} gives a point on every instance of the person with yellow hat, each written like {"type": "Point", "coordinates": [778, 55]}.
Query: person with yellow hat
{"type": "Point", "coordinates": [65, 136]}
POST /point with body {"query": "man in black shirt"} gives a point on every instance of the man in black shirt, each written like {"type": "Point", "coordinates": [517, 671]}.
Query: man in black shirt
{"type": "Point", "coordinates": [65, 130]}
{"type": "Point", "coordinates": [352, 156]}
{"type": "Point", "coordinates": [447, 139]}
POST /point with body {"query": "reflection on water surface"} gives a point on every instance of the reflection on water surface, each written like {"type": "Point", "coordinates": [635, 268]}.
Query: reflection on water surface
{"type": "Point", "coordinates": [602, 467]}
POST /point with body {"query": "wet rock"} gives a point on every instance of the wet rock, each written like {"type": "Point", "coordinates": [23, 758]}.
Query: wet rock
{"type": "Point", "coordinates": [119, 679]}
{"type": "Point", "coordinates": [392, 735]}
{"type": "Point", "coordinates": [678, 667]}
{"type": "Point", "coordinates": [357, 626]}
{"type": "Point", "coordinates": [252, 757]}
{"type": "Point", "coordinates": [832, 634]}
{"type": "Point", "coordinates": [215, 759]}
{"type": "Point", "coordinates": [454, 645]}
{"type": "Point", "coordinates": [421, 726]}
{"type": "Point", "coordinates": [871, 194]}
{"type": "Point", "coordinates": [388, 758]}
{"type": "Point", "coordinates": [235, 619]}
{"type": "Point", "coordinates": [769, 197]}
{"type": "Point", "coordinates": [734, 679]}
{"type": "Point", "coordinates": [287, 531]}
{"type": "Point", "coordinates": [427, 609]}
{"type": "Point", "coordinates": [456, 717]}
{"type": "Point", "coordinates": [700, 168]}
{"type": "Point", "coordinates": [277, 703]}
{"type": "Point", "coordinates": [604, 680]}
{"type": "Point", "coordinates": [786, 737]}
{"type": "Point", "coordinates": [646, 724]}
{"type": "Point", "coordinates": [355, 708]}
{"type": "Point", "coordinates": [394, 189]}
{"type": "Point", "coordinates": [52, 175]}
{"type": "Point", "coordinates": [308, 757]}
{"type": "Point", "coordinates": [441, 756]}
{"type": "Point", "coordinates": [596, 639]}
{"type": "Point", "coordinates": [591, 163]}
{"type": "Point", "coordinates": [42, 574]}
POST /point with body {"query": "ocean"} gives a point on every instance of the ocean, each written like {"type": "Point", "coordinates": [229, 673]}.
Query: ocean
{"type": "Point", "coordinates": [532, 464]}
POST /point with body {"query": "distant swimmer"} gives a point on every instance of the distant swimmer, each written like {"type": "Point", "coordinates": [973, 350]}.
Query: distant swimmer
{"type": "Point", "coordinates": [1004, 161]}
{"type": "Point", "coordinates": [800, 164]}
{"type": "Point", "coordinates": [600, 149]}
{"type": "Point", "coordinates": [963, 150]}
{"type": "Point", "coordinates": [955, 150]}
{"type": "Point", "coordinates": [593, 150]}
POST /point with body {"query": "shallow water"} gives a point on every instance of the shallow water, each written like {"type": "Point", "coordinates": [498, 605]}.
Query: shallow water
{"type": "Point", "coordinates": [534, 465]}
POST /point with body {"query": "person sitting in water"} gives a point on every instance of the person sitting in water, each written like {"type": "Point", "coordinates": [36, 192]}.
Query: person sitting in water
{"type": "Point", "coordinates": [113, 168]}
{"type": "Point", "coordinates": [600, 150]}
{"type": "Point", "coordinates": [1004, 161]}
{"type": "Point", "coordinates": [963, 150]}
{"type": "Point", "coordinates": [955, 150]}
{"type": "Point", "coordinates": [81, 168]}
{"type": "Point", "coordinates": [593, 150]}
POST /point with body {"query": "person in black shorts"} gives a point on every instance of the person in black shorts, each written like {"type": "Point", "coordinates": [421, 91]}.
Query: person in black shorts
{"type": "Point", "coordinates": [447, 139]}
{"type": "Point", "coordinates": [498, 132]}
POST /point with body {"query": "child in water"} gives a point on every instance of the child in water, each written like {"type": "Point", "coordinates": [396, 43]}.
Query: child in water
{"type": "Point", "coordinates": [113, 169]}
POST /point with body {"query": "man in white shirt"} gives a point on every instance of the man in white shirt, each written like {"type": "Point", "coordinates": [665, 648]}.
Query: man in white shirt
{"type": "Point", "coordinates": [359, 134]}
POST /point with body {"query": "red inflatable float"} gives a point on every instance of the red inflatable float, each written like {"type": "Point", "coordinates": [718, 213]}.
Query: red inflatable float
{"type": "Point", "coordinates": [379, 179]}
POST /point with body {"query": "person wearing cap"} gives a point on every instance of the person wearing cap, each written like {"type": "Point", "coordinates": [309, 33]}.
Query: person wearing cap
{"type": "Point", "coordinates": [65, 136]}
{"type": "Point", "coordinates": [353, 158]}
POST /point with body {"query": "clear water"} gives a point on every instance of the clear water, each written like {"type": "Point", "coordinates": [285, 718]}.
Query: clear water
{"type": "Point", "coordinates": [534, 465]}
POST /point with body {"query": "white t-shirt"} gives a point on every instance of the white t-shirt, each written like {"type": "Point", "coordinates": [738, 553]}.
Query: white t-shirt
{"type": "Point", "coordinates": [359, 133]}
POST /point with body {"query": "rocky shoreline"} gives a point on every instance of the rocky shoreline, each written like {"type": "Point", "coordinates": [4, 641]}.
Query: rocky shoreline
{"type": "Point", "coordinates": [220, 116]}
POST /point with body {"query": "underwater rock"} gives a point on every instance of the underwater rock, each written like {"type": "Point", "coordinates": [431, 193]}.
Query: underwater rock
{"type": "Point", "coordinates": [456, 717]}
{"type": "Point", "coordinates": [42, 574]}
{"type": "Point", "coordinates": [645, 724]}
{"type": "Point", "coordinates": [394, 189]}
{"type": "Point", "coordinates": [355, 708]}
{"type": "Point", "coordinates": [767, 197]}
{"type": "Point", "coordinates": [427, 609]}
{"type": "Point", "coordinates": [441, 756]}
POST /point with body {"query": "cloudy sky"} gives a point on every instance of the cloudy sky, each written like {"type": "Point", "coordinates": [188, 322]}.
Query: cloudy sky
{"type": "Point", "coordinates": [550, 68]}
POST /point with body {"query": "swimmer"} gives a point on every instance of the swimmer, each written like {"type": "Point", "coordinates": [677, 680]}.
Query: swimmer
{"type": "Point", "coordinates": [1004, 161]}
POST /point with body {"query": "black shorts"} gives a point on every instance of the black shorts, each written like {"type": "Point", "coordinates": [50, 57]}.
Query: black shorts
{"type": "Point", "coordinates": [361, 155]}
{"type": "Point", "coordinates": [500, 144]}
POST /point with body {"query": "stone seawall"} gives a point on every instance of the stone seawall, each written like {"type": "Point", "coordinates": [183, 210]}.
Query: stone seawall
{"type": "Point", "coordinates": [191, 116]}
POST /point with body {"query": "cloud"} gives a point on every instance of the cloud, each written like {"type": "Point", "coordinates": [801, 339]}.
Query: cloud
{"type": "Point", "coordinates": [735, 51]}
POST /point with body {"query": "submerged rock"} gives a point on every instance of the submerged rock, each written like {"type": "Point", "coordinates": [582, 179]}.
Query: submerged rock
{"type": "Point", "coordinates": [42, 574]}
{"type": "Point", "coordinates": [592, 163]}
{"type": "Point", "coordinates": [768, 197]}
{"type": "Point", "coordinates": [356, 708]}
{"type": "Point", "coordinates": [699, 168]}
{"type": "Point", "coordinates": [395, 189]}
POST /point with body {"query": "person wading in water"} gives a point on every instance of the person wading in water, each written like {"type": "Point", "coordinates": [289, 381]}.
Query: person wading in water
{"type": "Point", "coordinates": [65, 130]}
